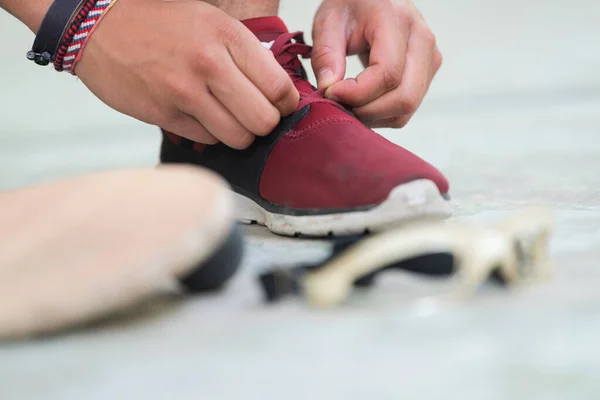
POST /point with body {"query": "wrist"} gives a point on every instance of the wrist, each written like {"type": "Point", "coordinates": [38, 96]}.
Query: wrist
{"type": "Point", "coordinates": [30, 12]}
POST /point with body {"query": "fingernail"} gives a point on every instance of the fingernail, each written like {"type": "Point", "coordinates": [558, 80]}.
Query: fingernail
{"type": "Point", "coordinates": [325, 77]}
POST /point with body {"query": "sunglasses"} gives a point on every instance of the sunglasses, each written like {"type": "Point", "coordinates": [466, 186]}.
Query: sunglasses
{"type": "Point", "coordinates": [512, 251]}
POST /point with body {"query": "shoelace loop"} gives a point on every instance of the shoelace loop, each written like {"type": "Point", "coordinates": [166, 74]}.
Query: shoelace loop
{"type": "Point", "coordinates": [286, 48]}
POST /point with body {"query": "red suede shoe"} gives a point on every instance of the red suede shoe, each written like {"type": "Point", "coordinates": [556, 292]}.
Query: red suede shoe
{"type": "Point", "coordinates": [321, 172]}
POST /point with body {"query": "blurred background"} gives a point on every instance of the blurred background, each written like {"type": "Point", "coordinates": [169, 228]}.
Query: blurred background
{"type": "Point", "coordinates": [512, 118]}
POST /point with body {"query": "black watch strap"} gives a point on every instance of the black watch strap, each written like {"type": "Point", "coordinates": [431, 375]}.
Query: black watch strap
{"type": "Point", "coordinates": [51, 31]}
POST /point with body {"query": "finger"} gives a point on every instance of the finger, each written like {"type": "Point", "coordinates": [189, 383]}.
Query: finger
{"type": "Point", "coordinates": [188, 127]}
{"type": "Point", "coordinates": [418, 73]}
{"type": "Point", "coordinates": [220, 123]}
{"type": "Point", "coordinates": [388, 41]}
{"type": "Point", "coordinates": [397, 122]}
{"type": "Point", "coordinates": [245, 102]}
{"type": "Point", "coordinates": [437, 62]}
{"type": "Point", "coordinates": [329, 45]}
{"type": "Point", "coordinates": [260, 67]}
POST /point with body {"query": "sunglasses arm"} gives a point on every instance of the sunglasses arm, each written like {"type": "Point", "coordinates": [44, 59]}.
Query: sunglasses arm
{"type": "Point", "coordinates": [477, 251]}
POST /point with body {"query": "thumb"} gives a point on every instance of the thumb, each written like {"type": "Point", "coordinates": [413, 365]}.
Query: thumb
{"type": "Point", "coordinates": [329, 46]}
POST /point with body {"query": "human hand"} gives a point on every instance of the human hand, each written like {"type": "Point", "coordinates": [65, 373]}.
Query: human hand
{"type": "Point", "coordinates": [189, 68]}
{"type": "Point", "coordinates": [395, 45]}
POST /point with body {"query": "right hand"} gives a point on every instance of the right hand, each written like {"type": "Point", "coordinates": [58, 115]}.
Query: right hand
{"type": "Point", "coordinates": [189, 68]}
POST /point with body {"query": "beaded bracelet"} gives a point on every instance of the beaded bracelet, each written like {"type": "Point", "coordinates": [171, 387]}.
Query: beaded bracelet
{"type": "Point", "coordinates": [75, 49]}
{"type": "Point", "coordinates": [73, 29]}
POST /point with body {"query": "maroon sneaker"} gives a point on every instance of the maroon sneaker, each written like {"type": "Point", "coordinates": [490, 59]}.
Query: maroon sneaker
{"type": "Point", "coordinates": [321, 171]}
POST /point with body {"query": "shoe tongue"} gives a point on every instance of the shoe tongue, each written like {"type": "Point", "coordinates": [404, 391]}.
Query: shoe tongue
{"type": "Point", "coordinates": [304, 86]}
{"type": "Point", "coordinates": [266, 29]}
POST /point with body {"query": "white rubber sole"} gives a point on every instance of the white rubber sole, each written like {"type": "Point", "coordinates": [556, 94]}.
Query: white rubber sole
{"type": "Point", "coordinates": [406, 202]}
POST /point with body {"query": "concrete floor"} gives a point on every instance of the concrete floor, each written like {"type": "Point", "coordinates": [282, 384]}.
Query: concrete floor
{"type": "Point", "coordinates": [513, 118]}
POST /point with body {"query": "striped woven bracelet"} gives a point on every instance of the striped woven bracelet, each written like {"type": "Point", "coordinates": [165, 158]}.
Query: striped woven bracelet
{"type": "Point", "coordinates": [75, 48]}
{"type": "Point", "coordinates": [70, 32]}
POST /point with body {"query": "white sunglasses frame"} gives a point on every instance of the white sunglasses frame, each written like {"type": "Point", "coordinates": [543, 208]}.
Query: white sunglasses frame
{"type": "Point", "coordinates": [517, 247]}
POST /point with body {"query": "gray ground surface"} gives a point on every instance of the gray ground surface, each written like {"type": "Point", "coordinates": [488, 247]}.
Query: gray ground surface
{"type": "Point", "coordinates": [513, 118]}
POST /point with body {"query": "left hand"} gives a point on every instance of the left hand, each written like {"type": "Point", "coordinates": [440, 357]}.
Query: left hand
{"type": "Point", "coordinates": [395, 45]}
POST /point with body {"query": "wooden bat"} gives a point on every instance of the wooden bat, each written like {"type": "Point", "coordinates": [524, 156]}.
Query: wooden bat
{"type": "Point", "coordinates": [82, 248]}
